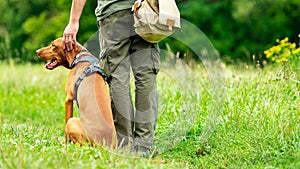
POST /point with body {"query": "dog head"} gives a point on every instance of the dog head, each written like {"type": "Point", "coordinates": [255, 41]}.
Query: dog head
{"type": "Point", "coordinates": [56, 55]}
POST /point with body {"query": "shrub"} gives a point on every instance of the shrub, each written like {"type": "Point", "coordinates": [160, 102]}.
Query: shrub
{"type": "Point", "coordinates": [284, 51]}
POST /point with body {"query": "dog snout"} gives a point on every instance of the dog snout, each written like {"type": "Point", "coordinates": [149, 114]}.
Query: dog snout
{"type": "Point", "coordinates": [38, 51]}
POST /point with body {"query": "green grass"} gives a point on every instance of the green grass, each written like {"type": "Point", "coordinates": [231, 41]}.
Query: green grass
{"type": "Point", "coordinates": [259, 126]}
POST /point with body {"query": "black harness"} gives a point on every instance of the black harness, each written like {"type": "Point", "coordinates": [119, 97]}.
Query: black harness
{"type": "Point", "coordinates": [93, 68]}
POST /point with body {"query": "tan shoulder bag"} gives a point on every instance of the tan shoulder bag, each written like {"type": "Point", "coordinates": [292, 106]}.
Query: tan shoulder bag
{"type": "Point", "coordinates": [155, 20]}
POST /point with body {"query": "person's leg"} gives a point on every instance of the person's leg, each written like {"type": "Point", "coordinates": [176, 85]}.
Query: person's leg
{"type": "Point", "coordinates": [122, 103]}
{"type": "Point", "coordinates": [145, 62]}
{"type": "Point", "coordinates": [115, 43]}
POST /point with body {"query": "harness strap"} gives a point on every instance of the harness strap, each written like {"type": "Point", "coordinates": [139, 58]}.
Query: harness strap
{"type": "Point", "coordinates": [89, 58]}
{"type": "Point", "coordinates": [93, 68]}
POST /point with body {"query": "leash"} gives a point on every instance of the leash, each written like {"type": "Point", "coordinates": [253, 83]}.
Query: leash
{"type": "Point", "coordinates": [93, 68]}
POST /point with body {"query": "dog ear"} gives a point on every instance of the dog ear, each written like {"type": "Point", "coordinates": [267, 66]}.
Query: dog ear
{"type": "Point", "coordinates": [70, 55]}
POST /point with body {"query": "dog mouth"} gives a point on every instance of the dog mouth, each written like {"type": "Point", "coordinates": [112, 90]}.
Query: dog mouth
{"type": "Point", "coordinates": [51, 64]}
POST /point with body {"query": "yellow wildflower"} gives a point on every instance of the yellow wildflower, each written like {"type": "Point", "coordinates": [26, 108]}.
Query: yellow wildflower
{"type": "Point", "coordinates": [296, 51]}
{"type": "Point", "coordinates": [284, 40]}
{"type": "Point", "coordinates": [283, 51]}
{"type": "Point", "coordinates": [283, 60]}
{"type": "Point", "coordinates": [276, 49]}
{"type": "Point", "coordinates": [286, 53]}
{"type": "Point", "coordinates": [292, 46]}
{"type": "Point", "coordinates": [268, 53]}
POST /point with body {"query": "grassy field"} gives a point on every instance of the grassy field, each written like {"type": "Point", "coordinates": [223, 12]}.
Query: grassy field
{"type": "Point", "coordinates": [259, 126]}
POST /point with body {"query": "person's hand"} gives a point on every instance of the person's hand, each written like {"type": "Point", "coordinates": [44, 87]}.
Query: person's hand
{"type": "Point", "coordinates": [69, 36]}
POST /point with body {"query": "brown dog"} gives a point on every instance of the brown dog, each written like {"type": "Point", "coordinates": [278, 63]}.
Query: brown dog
{"type": "Point", "coordinates": [95, 124]}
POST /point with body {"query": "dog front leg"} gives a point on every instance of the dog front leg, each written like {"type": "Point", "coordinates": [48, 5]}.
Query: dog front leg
{"type": "Point", "coordinates": [68, 108]}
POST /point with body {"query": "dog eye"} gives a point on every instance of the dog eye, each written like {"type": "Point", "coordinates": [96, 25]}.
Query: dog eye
{"type": "Point", "coordinates": [53, 46]}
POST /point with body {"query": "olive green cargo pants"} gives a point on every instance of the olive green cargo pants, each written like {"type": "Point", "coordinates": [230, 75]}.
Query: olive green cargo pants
{"type": "Point", "coordinates": [122, 51]}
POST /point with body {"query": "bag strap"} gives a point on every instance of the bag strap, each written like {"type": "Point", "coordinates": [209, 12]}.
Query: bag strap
{"type": "Point", "coordinates": [137, 4]}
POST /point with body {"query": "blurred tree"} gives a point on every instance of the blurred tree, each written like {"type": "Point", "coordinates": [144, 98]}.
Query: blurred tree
{"type": "Point", "coordinates": [264, 21]}
{"type": "Point", "coordinates": [53, 21]}
{"type": "Point", "coordinates": [11, 35]}
{"type": "Point", "coordinates": [28, 25]}
{"type": "Point", "coordinates": [242, 28]}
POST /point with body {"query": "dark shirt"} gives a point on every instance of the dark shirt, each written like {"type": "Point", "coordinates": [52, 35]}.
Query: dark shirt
{"type": "Point", "coordinates": [108, 7]}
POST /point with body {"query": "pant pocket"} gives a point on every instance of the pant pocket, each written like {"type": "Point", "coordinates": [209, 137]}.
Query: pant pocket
{"type": "Point", "coordinates": [155, 55]}
{"type": "Point", "coordinates": [103, 63]}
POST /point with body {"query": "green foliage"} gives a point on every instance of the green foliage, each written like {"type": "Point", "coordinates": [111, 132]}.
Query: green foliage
{"type": "Point", "coordinates": [285, 51]}
{"type": "Point", "coordinates": [28, 25]}
{"type": "Point", "coordinates": [259, 127]}
{"type": "Point", "coordinates": [238, 29]}
{"type": "Point", "coordinates": [54, 20]}
{"type": "Point", "coordinates": [242, 28]}
{"type": "Point", "coordinates": [51, 26]}
{"type": "Point", "coordinates": [269, 20]}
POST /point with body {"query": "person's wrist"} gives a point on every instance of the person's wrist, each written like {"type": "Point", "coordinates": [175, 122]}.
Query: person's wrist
{"type": "Point", "coordinates": [74, 21]}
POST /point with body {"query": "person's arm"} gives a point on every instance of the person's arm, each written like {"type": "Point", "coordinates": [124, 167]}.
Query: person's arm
{"type": "Point", "coordinates": [69, 36]}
